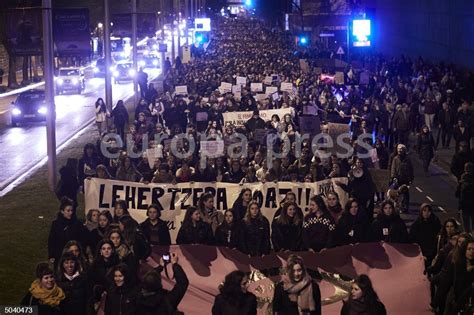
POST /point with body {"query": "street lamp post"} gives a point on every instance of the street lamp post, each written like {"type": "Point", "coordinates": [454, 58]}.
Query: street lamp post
{"type": "Point", "coordinates": [48, 56]}
{"type": "Point", "coordinates": [107, 56]}
{"type": "Point", "coordinates": [134, 50]}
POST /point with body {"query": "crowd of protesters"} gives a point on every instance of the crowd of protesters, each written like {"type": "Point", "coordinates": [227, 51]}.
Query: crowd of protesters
{"type": "Point", "coordinates": [96, 263]}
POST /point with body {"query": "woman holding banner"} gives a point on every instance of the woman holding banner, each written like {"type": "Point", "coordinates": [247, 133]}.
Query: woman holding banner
{"type": "Point", "coordinates": [318, 226]}
{"type": "Point", "coordinates": [194, 230]}
{"type": "Point", "coordinates": [287, 229]}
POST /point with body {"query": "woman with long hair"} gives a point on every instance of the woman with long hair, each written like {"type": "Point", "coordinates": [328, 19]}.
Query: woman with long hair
{"type": "Point", "coordinates": [241, 204]}
{"type": "Point", "coordinates": [424, 232]}
{"type": "Point", "coordinates": [120, 210]}
{"type": "Point", "coordinates": [287, 229]}
{"type": "Point", "coordinates": [92, 219]}
{"type": "Point", "coordinates": [450, 227]}
{"type": "Point", "coordinates": [209, 213]}
{"type": "Point", "coordinates": [101, 113]}
{"type": "Point", "coordinates": [121, 296]}
{"type": "Point", "coordinates": [426, 147]}
{"type": "Point", "coordinates": [124, 252]}
{"type": "Point", "coordinates": [297, 293]}
{"type": "Point", "coordinates": [127, 171]}
{"type": "Point", "coordinates": [100, 275]}
{"type": "Point", "coordinates": [134, 238]}
{"type": "Point", "coordinates": [95, 236]}
{"type": "Point", "coordinates": [75, 248]}
{"type": "Point", "coordinates": [318, 226]}
{"type": "Point", "coordinates": [229, 232]}
{"type": "Point", "coordinates": [233, 297]}
{"type": "Point", "coordinates": [363, 299]}
{"type": "Point", "coordinates": [353, 227]}
{"type": "Point", "coordinates": [334, 206]}
{"type": "Point", "coordinates": [44, 292]}
{"type": "Point", "coordinates": [194, 230]}
{"type": "Point", "coordinates": [255, 232]}
{"type": "Point", "coordinates": [74, 284]}
{"type": "Point", "coordinates": [155, 230]}
{"type": "Point", "coordinates": [388, 226]}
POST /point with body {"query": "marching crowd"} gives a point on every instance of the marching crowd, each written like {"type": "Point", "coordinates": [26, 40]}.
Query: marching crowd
{"type": "Point", "coordinates": [96, 262]}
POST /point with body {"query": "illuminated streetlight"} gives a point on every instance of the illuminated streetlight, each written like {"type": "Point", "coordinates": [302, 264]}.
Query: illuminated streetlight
{"type": "Point", "coordinates": [100, 25]}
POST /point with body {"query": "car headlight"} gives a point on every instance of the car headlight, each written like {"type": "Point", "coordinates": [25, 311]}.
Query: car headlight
{"type": "Point", "coordinates": [16, 112]}
{"type": "Point", "coordinates": [131, 72]}
{"type": "Point", "coordinates": [115, 73]}
{"type": "Point", "coordinates": [96, 70]}
{"type": "Point", "coordinates": [42, 110]}
{"type": "Point", "coordinates": [141, 63]}
{"type": "Point", "coordinates": [75, 81]}
{"type": "Point", "coordinates": [155, 62]}
{"type": "Point", "coordinates": [60, 81]}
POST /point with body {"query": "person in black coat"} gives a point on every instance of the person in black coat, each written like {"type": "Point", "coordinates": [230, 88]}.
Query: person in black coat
{"type": "Point", "coordinates": [363, 299]}
{"type": "Point", "coordinates": [234, 299]}
{"type": "Point", "coordinates": [426, 147]}
{"type": "Point", "coordinates": [98, 234]}
{"type": "Point", "coordinates": [388, 226]}
{"type": "Point", "coordinates": [229, 232]}
{"type": "Point", "coordinates": [465, 193]}
{"type": "Point", "coordinates": [44, 292]}
{"type": "Point", "coordinates": [68, 185]}
{"type": "Point", "coordinates": [353, 227]}
{"type": "Point", "coordinates": [121, 297]}
{"type": "Point", "coordinates": [424, 232]}
{"type": "Point", "coordinates": [134, 238]}
{"type": "Point", "coordinates": [65, 228]}
{"type": "Point", "coordinates": [88, 163]}
{"type": "Point", "coordinates": [446, 119]}
{"type": "Point", "coordinates": [255, 231]}
{"type": "Point", "coordinates": [155, 230]}
{"type": "Point", "coordinates": [297, 293]}
{"type": "Point", "coordinates": [460, 159]}
{"type": "Point", "coordinates": [153, 299]}
{"type": "Point", "coordinates": [124, 253]}
{"type": "Point", "coordinates": [241, 204]}
{"type": "Point", "coordinates": [100, 274]}
{"type": "Point", "coordinates": [121, 118]}
{"type": "Point", "coordinates": [287, 229]}
{"type": "Point", "coordinates": [194, 230]}
{"type": "Point", "coordinates": [74, 285]}
{"type": "Point", "coordinates": [318, 226]}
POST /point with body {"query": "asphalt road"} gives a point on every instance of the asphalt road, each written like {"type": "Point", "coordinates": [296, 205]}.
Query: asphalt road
{"type": "Point", "coordinates": [24, 146]}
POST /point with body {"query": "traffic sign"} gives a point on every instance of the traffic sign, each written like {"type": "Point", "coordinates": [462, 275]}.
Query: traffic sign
{"type": "Point", "coordinates": [340, 51]}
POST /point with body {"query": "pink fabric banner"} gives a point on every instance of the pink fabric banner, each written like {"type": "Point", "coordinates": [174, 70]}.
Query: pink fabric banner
{"type": "Point", "coordinates": [396, 271]}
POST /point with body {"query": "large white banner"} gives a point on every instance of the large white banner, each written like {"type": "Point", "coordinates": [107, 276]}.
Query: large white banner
{"type": "Point", "coordinates": [173, 200]}
{"type": "Point", "coordinates": [239, 118]}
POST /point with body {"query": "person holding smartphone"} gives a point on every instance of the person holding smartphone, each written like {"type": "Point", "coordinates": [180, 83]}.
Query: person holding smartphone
{"type": "Point", "coordinates": [153, 299]}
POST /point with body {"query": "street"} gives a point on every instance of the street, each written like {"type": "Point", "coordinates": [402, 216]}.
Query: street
{"type": "Point", "coordinates": [25, 146]}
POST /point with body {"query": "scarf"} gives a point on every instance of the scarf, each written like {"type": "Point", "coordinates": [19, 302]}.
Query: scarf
{"type": "Point", "coordinates": [50, 298]}
{"type": "Point", "coordinates": [74, 276]}
{"type": "Point", "coordinates": [122, 251]}
{"type": "Point", "coordinates": [302, 293]}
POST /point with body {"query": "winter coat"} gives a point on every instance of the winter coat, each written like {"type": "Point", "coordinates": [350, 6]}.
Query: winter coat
{"type": "Point", "coordinates": [239, 210]}
{"type": "Point", "coordinates": [120, 115]}
{"type": "Point", "coordinates": [158, 234]}
{"type": "Point", "coordinates": [458, 162]}
{"type": "Point", "coordinates": [68, 185]}
{"type": "Point", "coordinates": [389, 229]}
{"type": "Point", "coordinates": [229, 235]}
{"type": "Point", "coordinates": [43, 309]}
{"type": "Point", "coordinates": [446, 119]}
{"type": "Point", "coordinates": [163, 302]}
{"type": "Point", "coordinates": [357, 307]}
{"type": "Point", "coordinates": [233, 177]}
{"type": "Point", "coordinates": [95, 236]}
{"type": "Point", "coordinates": [100, 276]}
{"type": "Point", "coordinates": [426, 146]}
{"type": "Point", "coordinates": [282, 305]}
{"type": "Point", "coordinates": [318, 231]}
{"type": "Point", "coordinates": [402, 170]}
{"type": "Point", "coordinates": [120, 301]}
{"type": "Point", "coordinates": [63, 231]}
{"type": "Point", "coordinates": [76, 292]}
{"type": "Point", "coordinates": [287, 236]}
{"type": "Point", "coordinates": [247, 306]}
{"type": "Point", "coordinates": [425, 233]}
{"type": "Point", "coordinates": [199, 234]}
{"type": "Point", "coordinates": [256, 237]}
{"type": "Point", "coordinates": [465, 192]}
{"type": "Point", "coordinates": [352, 229]}
{"type": "Point", "coordinates": [401, 121]}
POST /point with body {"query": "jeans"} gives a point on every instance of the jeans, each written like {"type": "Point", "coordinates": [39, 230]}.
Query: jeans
{"type": "Point", "coordinates": [429, 118]}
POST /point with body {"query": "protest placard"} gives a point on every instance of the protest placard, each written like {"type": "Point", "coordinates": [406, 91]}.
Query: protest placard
{"type": "Point", "coordinates": [241, 81]}
{"type": "Point", "coordinates": [270, 90]}
{"type": "Point", "coordinates": [286, 87]}
{"type": "Point", "coordinates": [339, 77]}
{"type": "Point", "coordinates": [181, 90]}
{"type": "Point", "coordinates": [256, 87]}
{"type": "Point", "coordinates": [212, 148]}
{"type": "Point", "coordinates": [236, 89]}
{"type": "Point", "coordinates": [226, 87]}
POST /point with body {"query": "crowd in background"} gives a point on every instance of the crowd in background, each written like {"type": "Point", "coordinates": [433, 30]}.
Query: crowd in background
{"type": "Point", "coordinates": [96, 263]}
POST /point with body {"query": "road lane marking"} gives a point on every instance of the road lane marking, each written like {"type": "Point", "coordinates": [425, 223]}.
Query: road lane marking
{"type": "Point", "coordinates": [442, 209]}
{"type": "Point", "coordinates": [419, 189]}
{"type": "Point", "coordinates": [429, 198]}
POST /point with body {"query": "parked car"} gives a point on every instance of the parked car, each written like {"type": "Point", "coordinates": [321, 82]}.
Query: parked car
{"type": "Point", "coordinates": [70, 79]}
{"type": "Point", "coordinates": [29, 106]}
